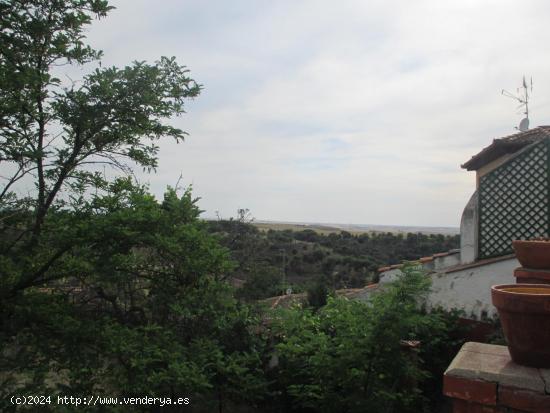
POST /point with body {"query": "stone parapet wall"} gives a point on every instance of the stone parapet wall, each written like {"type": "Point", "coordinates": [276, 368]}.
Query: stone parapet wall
{"type": "Point", "coordinates": [483, 378]}
{"type": "Point", "coordinates": [466, 287]}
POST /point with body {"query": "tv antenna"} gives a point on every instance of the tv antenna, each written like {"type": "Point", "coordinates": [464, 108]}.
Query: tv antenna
{"type": "Point", "coordinates": [523, 98]}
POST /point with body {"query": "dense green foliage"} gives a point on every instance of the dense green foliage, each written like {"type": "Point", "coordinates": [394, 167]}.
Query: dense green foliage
{"type": "Point", "coordinates": [309, 258]}
{"type": "Point", "coordinates": [140, 309]}
{"type": "Point", "coordinates": [349, 356]}
{"type": "Point", "coordinates": [105, 290]}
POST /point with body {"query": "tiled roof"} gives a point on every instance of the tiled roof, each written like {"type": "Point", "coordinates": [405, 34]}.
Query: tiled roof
{"type": "Point", "coordinates": [506, 145]}
{"type": "Point", "coordinates": [300, 298]}
{"type": "Point", "coordinates": [422, 260]}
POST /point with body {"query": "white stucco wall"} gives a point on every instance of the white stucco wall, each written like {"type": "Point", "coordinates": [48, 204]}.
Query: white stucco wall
{"type": "Point", "coordinates": [438, 263]}
{"type": "Point", "coordinates": [470, 289]}
{"type": "Point", "coordinates": [447, 261]}
{"type": "Point", "coordinates": [389, 276]}
{"type": "Point", "coordinates": [468, 231]}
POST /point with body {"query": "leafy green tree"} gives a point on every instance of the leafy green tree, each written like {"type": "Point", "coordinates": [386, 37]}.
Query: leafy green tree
{"type": "Point", "coordinates": [140, 309]}
{"type": "Point", "coordinates": [318, 293]}
{"type": "Point", "coordinates": [53, 134]}
{"type": "Point", "coordinates": [261, 281]}
{"type": "Point", "coordinates": [103, 289]}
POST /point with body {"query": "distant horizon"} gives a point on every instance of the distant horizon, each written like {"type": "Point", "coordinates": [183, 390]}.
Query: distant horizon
{"type": "Point", "coordinates": [343, 226]}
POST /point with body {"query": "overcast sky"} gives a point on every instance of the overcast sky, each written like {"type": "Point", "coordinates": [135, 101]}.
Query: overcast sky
{"type": "Point", "coordinates": [337, 111]}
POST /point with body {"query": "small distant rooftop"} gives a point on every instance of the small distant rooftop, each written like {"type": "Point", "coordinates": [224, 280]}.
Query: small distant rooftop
{"type": "Point", "coordinates": [506, 145]}
{"type": "Point", "coordinates": [422, 260]}
{"type": "Point", "coordinates": [286, 301]}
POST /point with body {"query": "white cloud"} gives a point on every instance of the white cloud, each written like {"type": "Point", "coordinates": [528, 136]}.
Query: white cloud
{"type": "Point", "coordinates": [338, 112]}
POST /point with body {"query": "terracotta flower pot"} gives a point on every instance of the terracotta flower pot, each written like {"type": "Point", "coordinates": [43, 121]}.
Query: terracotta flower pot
{"type": "Point", "coordinates": [533, 254]}
{"type": "Point", "coordinates": [524, 311]}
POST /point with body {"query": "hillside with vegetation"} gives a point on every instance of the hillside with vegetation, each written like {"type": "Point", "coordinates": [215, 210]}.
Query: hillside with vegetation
{"type": "Point", "coordinates": [265, 259]}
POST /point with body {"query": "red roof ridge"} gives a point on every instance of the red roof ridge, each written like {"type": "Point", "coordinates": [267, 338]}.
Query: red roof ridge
{"type": "Point", "coordinates": [422, 260]}
{"type": "Point", "coordinates": [506, 144]}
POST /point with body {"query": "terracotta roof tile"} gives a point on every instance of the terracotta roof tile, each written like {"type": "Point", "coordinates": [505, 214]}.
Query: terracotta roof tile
{"type": "Point", "coordinates": [301, 298]}
{"type": "Point", "coordinates": [505, 145]}
{"type": "Point", "coordinates": [421, 260]}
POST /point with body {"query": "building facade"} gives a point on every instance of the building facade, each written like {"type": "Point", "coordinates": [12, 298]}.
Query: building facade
{"type": "Point", "coordinates": [511, 201]}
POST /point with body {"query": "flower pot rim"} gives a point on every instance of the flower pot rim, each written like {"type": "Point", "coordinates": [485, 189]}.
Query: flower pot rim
{"type": "Point", "coordinates": [509, 289]}
{"type": "Point", "coordinates": [531, 241]}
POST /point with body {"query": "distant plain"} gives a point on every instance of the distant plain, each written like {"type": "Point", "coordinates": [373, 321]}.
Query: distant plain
{"type": "Point", "coordinates": [327, 228]}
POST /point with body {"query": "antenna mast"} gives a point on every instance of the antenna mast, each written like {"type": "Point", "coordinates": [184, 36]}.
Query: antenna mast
{"type": "Point", "coordinates": [523, 99]}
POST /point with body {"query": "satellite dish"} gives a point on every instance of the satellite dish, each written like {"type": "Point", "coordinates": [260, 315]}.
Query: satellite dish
{"type": "Point", "coordinates": [524, 124]}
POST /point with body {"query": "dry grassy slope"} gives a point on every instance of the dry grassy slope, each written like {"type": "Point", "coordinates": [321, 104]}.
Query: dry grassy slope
{"type": "Point", "coordinates": [321, 229]}
{"type": "Point", "coordinates": [353, 229]}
